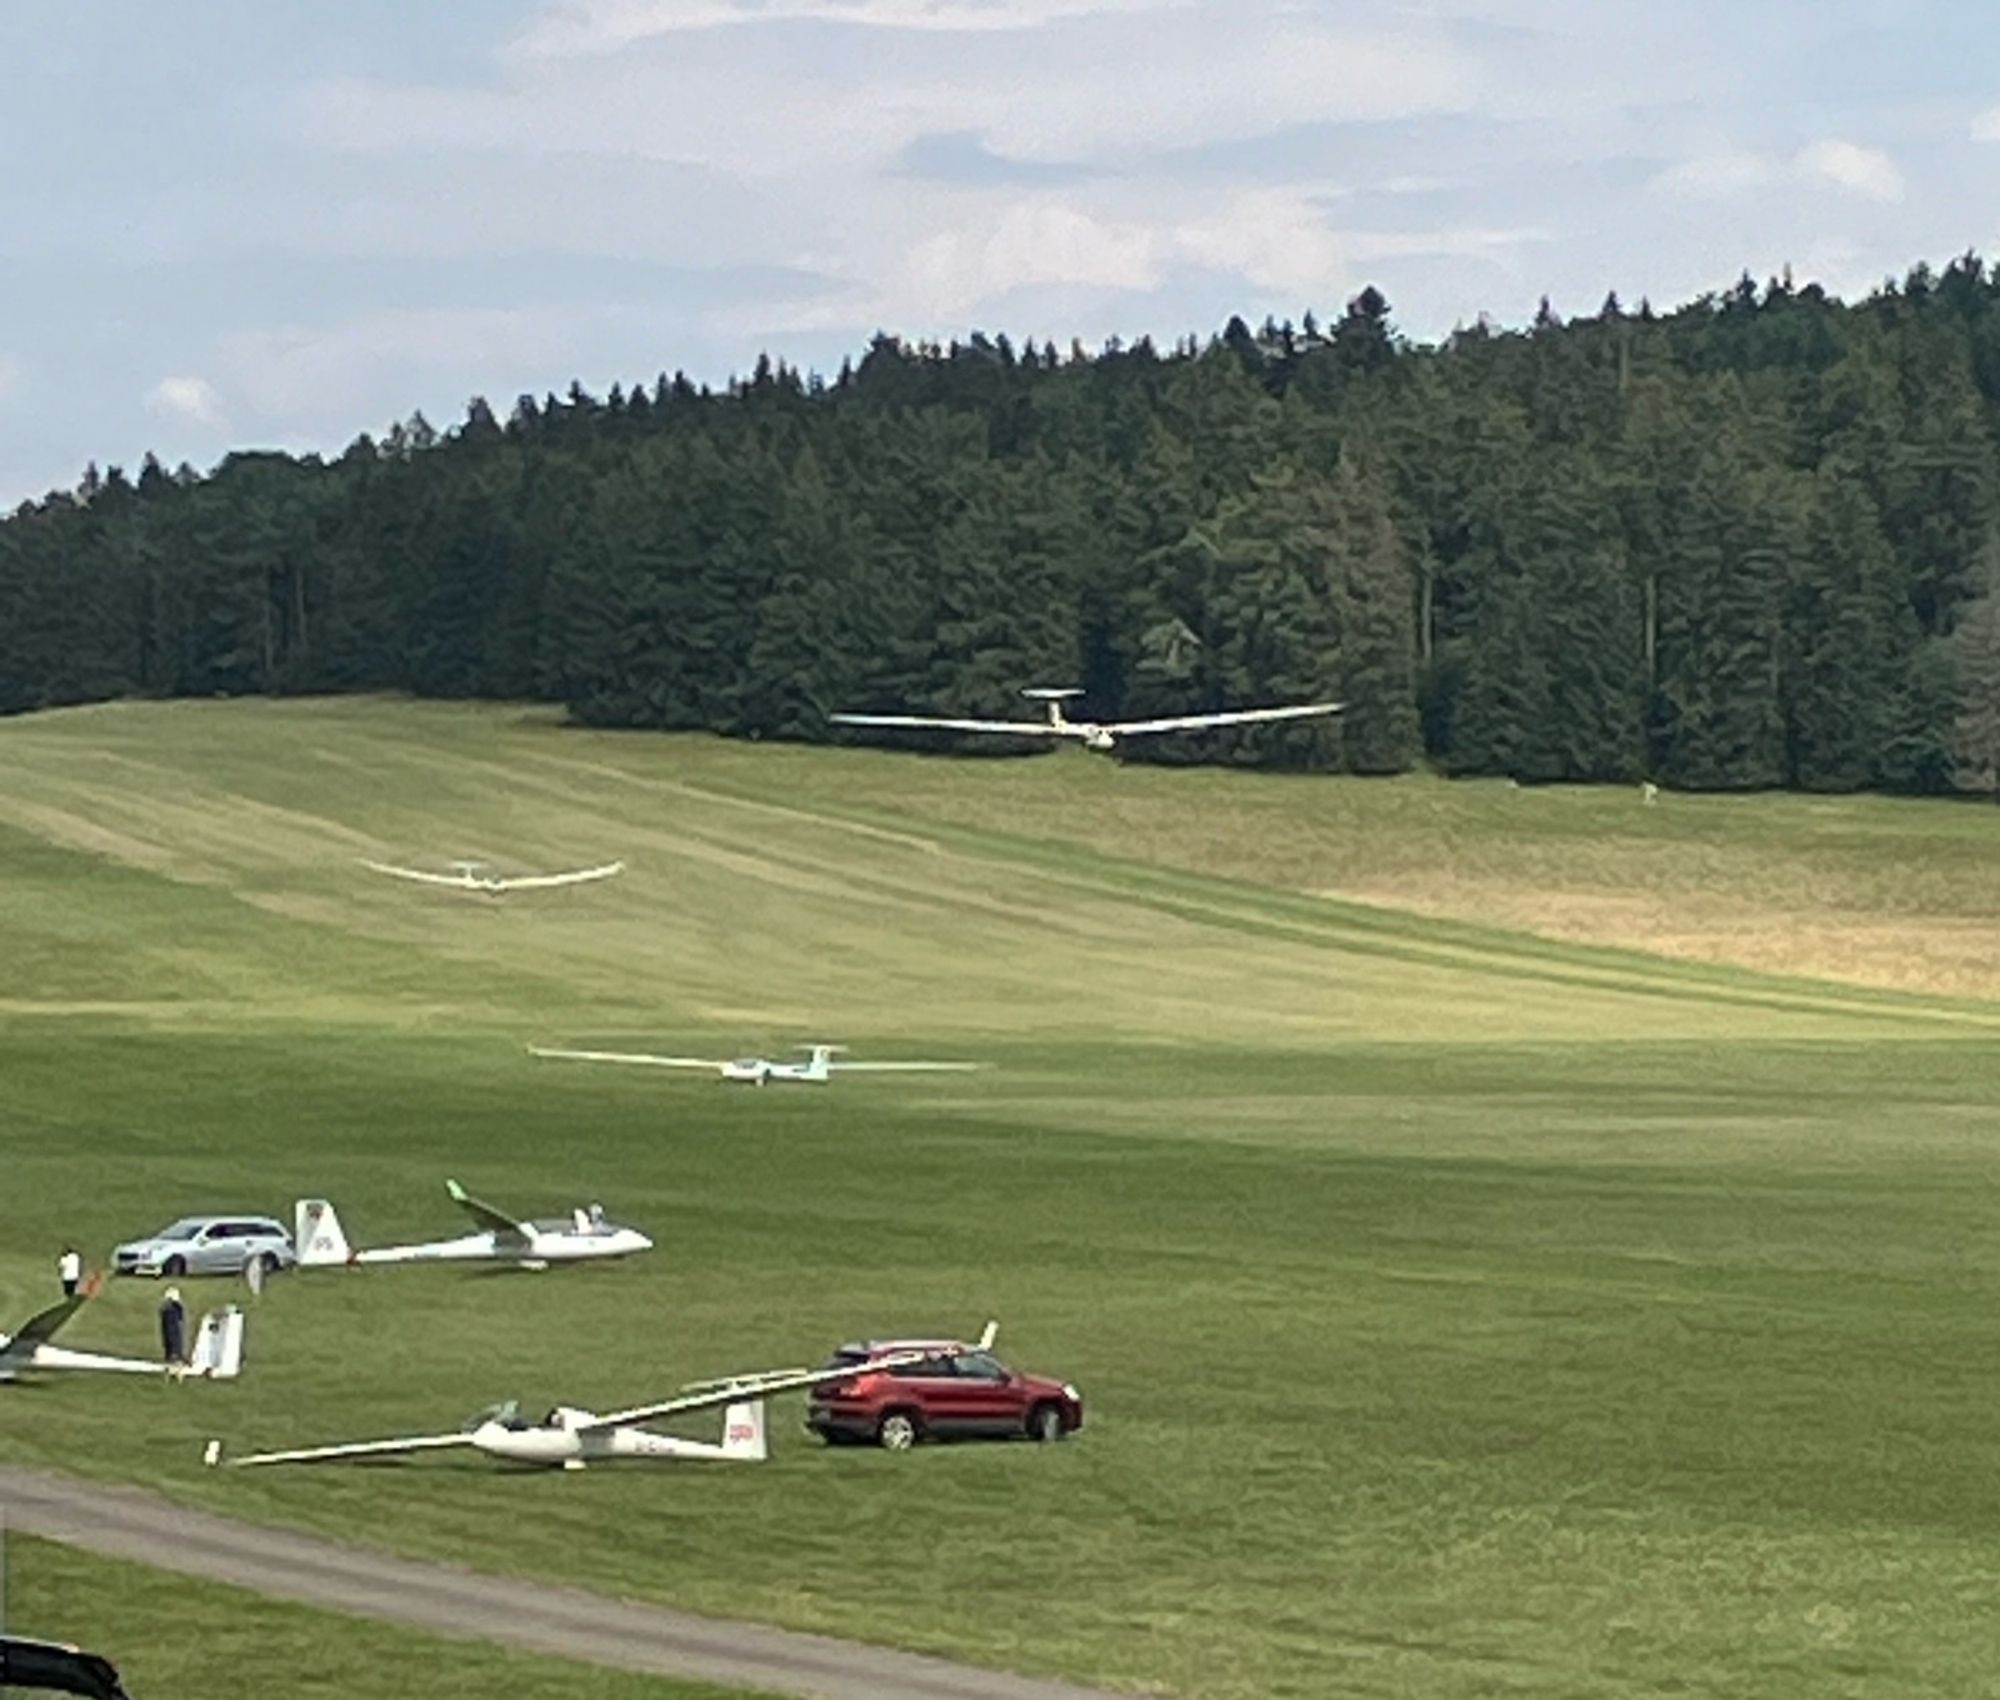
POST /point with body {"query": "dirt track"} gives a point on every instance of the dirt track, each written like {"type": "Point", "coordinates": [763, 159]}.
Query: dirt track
{"type": "Point", "coordinates": [127, 1523]}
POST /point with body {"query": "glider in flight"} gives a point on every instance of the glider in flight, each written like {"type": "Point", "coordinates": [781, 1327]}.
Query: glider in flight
{"type": "Point", "coordinates": [817, 1068]}
{"type": "Point", "coordinates": [1092, 734]}
{"type": "Point", "coordinates": [465, 876]}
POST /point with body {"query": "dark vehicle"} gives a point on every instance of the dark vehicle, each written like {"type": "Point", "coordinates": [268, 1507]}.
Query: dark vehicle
{"type": "Point", "coordinates": [960, 1391]}
{"type": "Point", "coordinates": [51, 1665]}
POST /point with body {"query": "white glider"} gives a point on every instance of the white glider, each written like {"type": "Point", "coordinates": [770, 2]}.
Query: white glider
{"type": "Point", "coordinates": [760, 1071]}
{"type": "Point", "coordinates": [573, 1438]}
{"type": "Point", "coordinates": [1092, 734]}
{"type": "Point", "coordinates": [583, 1234]}
{"type": "Point", "coordinates": [466, 877]}
{"type": "Point", "coordinates": [217, 1355]}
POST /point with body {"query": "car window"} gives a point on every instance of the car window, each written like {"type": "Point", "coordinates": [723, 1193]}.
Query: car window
{"type": "Point", "coordinates": [978, 1366]}
{"type": "Point", "coordinates": [929, 1369]}
{"type": "Point", "coordinates": [184, 1229]}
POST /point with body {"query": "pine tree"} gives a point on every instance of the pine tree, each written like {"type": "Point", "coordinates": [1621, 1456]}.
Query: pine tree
{"type": "Point", "coordinates": [1973, 654]}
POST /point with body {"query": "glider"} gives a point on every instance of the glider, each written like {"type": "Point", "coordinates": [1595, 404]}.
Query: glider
{"type": "Point", "coordinates": [759, 1071]}
{"type": "Point", "coordinates": [572, 1438]}
{"type": "Point", "coordinates": [218, 1347]}
{"type": "Point", "coordinates": [584, 1233]}
{"type": "Point", "coordinates": [466, 877]}
{"type": "Point", "coordinates": [1092, 734]}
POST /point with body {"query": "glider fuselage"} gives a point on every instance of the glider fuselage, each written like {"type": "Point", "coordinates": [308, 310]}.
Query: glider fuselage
{"type": "Point", "coordinates": [541, 1246]}
{"type": "Point", "coordinates": [563, 1441]}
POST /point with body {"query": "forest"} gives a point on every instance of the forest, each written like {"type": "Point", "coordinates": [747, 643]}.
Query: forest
{"type": "Point", "coordinates": [1750, 542]}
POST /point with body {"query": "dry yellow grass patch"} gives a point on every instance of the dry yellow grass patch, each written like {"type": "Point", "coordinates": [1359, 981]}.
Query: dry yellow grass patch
{"type": "Point", "coordinates": [1954, 955]}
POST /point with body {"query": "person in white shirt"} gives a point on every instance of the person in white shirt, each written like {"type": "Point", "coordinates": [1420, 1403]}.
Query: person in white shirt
{"type": "Point", "coordinates": [69, 1270]}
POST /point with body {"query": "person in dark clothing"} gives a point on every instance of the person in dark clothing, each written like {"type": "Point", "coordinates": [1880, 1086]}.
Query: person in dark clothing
{"type": "Point", "coordinates": [173, 1330]}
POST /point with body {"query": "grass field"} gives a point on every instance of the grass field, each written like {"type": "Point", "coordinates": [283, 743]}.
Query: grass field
{"type": "Point", "coordinates": [1461, 1313]}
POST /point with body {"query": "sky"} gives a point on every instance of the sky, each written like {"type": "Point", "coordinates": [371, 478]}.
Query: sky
{"type": "Point", "coordinates": [279, 223]}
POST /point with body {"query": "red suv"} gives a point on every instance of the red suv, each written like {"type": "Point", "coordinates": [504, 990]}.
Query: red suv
{"type": "Point", "coordinates": [956, 1390]}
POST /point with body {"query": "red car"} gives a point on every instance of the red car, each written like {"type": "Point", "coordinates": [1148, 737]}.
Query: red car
{"type": "Point", "coordinates": [960, 1390]}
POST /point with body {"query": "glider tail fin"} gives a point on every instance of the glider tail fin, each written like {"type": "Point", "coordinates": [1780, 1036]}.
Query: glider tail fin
{"type": "Point", "coordinates": [218, 1345]}
{"type": "Point", "coordinates": [318, 1236]}
{"type": "Point", "coordinates": [743, 1432]}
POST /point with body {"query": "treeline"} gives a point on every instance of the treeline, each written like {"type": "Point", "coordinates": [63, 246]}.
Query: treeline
{"type": "Point", "coordinates": [1751, 542]}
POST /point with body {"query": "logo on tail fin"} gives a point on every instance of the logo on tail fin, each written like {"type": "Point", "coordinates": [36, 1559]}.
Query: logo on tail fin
{"type": "Point", "coordinates": [318, 1235]}
{"type": "Point", "coordinates": [743, 1432]}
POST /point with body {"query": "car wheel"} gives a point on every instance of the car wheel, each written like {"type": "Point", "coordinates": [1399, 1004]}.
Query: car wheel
{"type": "Point", "coordinates": [1045, 1423]}
{"type": "Point", "coordinates": [896, 1432]}
{"type": "Point", "coordinates": [175, 1267]}
{"type": "Point", "coordinates": [267, 1264]}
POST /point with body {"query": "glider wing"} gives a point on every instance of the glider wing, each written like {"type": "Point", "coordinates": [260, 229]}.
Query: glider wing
{"type": "Point", "coordinates": [1232, 717]}
{"type": "Point", "coordinates": [905, 1067]}
{"type": "Point", "coordinates": [496, 1222]}
{"type": "Point", "coordinates": [759, 1384]}
{"type": "Point", "coordinates": [1017, 728]}
{"type": "Point", "coordinates": [40, 1328]}
{"type": "Point", "coordinates": [356, 1449]}
{"type": "Point", "coordinates": [646, 1058]}
{"type": "Point", "coordinates": [541, 882]}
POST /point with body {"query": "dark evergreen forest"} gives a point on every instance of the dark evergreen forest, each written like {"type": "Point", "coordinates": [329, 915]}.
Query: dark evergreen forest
{"type": "Point", "coordinates": [1751, 542]}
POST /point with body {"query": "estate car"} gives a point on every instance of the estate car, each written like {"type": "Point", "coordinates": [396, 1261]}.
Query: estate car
{"type": "Point", "coordinates": [207, 1245]}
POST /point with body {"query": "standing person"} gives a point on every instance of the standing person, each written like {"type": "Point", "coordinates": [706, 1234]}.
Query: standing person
{"type": "Point", "coordinates": [69, 1270]}
{"type": "Point", "coordinates": [253, 1272]}
{"type": "Point", "coordinates": [173, 1330]}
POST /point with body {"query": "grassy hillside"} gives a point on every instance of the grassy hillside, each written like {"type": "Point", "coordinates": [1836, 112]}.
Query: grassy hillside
{"type": "Point", "coordinates": [1461, 1313]}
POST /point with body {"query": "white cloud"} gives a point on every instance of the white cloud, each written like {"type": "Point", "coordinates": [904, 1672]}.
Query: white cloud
{"type": "Point", "coordinates": [967, 261]}
{"type": "Point", "coordinates": [1033, 242]}
{"type": "Point", "coordinates": [607, 26]}
{"type": "Point", "coordinates": [1278, 238]}
{"type": "Point", "coordinates": [1096, 93]}
{"type": "Point", "coordinates": [10, 376]}
{"type": "Point", "coordinates": [1868, 172]}
{"type": "Point", "coordinates": [193, 400]}
{"type": "Point", "coordinates": [1716, 176]}
{"type": "Point", "coordinates": [1728, 173]}
{"type": "Point", "coordinates": [1986, 127]}
{"type": "Point", "coordinates": [1178, 92]}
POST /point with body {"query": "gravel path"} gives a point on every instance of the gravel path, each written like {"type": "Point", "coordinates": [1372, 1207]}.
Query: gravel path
{"type": "Point", "coordinates": [128, 1523]}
